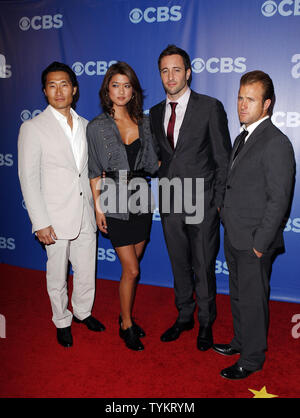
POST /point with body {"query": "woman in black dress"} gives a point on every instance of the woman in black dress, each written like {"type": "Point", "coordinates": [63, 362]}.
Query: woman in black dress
{"type": "Point", "coordinates": [120, 139]}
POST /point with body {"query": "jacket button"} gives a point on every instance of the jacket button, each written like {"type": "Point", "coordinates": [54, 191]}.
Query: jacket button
{"type": "Point", "coordinates": [228, 186]}
{"type": "Point", "coordinates": [80, 193]}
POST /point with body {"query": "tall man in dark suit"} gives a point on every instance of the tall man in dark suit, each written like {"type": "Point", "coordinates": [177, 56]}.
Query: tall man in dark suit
{"type": "Point", "coordinates": [258, 193]}
{"type": "Point", "coordinates": [193, 142]}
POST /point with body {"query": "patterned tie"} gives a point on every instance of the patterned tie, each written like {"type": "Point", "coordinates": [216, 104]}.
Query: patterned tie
{"type": "Point", "coordinates": [171, 124]}
{"type": "Point", "coordinates": [240, 140]}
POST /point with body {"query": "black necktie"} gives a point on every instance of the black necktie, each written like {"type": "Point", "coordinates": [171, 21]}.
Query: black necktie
{"type": "Point", "coordinates": [240, 140]}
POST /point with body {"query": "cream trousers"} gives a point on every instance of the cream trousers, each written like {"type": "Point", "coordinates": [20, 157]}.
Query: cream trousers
{"type": "Point", "coordinates": [81, 252]}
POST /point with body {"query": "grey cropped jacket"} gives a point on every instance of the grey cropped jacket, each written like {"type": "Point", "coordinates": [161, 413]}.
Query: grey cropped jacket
{"type": "Point", "coordinates": [106, 151]}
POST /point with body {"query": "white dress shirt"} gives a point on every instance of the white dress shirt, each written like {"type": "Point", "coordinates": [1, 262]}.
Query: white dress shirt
{"type": "Point", "coordinates": [250, 128]}
{"type": "Point", "coordinates": [180, 112]}
{"type": "Point", "coordinates": [76, 135]}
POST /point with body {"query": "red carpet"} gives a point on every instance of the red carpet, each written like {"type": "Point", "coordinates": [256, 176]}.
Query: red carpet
{"type": "Point", "coordinates": [33, 365]}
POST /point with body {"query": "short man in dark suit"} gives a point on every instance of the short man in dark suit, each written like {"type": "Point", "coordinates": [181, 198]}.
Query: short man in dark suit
{"type": "Point", "coordinates": [193, 142]}
{"type": "Point", "coordinates": [258, 193]}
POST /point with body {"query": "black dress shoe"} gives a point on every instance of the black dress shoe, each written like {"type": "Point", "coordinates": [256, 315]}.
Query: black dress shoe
{"type": "Point", "coordinates": [236, 372]}
{"type": "Point", "coordinates": [92, 323]}
{"type": "Point", "coordinates": [174, 332]}
{"type": "Point", "coordinates": [139, 331]}
{"type": "Point", "coordinates": [205, 338]}
{"type": "Point", "coordinates": [131, 339]}
{"type": "Point", "coordinates": [64, 337]}
{"type": "Point", "coordinates": [225, 349]}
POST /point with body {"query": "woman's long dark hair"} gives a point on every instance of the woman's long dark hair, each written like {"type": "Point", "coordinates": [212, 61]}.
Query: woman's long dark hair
{"type": "Point", "coordinates": [135, 105]}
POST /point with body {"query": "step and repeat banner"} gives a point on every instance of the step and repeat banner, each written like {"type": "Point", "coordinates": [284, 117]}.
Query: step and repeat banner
{"type": "Point", "coordinates": [224, 39]}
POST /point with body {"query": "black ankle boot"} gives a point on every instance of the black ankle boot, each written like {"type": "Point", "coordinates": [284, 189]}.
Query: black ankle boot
{"type": "Point", "coordinates": [138, 330]}
{"type": "Point", "coordinates": [131, 339]}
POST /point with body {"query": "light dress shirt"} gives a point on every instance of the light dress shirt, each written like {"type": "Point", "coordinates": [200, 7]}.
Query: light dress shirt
{"type": "Point", "coordinates": [180, 112]}
{"type": "Point", "coordinates": [250, 128]}
{"type": "Point", "coordinates": [76, 135]}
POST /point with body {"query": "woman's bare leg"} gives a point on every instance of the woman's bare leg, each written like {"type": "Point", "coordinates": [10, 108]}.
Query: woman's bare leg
{"type": "Point", "coordinates": [129, 259]}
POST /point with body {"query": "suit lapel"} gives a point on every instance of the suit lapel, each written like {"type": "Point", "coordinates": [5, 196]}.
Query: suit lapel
{"type": "Point", "coordinates": [84, 159]}
{"type": "Point", "coordinates": [235, 145]}
{"type": "Point", "coordinates": [189, 112]}
{"type": "Point", "coordinates": [248, 145]}
{"type": "Point", "coordinates": [185, 123]}
{"type": "Point", "coordinates": [162, 112]}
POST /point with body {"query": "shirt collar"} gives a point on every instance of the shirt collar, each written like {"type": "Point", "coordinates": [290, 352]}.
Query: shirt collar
{"type": "Point", "coordinates": [182, 100]}
{"type": "Point", "coordinates": [250, 128]}
{"type": "Point", "coordinates": [61, 117]}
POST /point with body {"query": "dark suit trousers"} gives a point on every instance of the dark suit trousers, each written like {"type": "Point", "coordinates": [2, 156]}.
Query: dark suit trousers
{"type": "Point", "coordinates": [249, 295]}
{"type": "Point", "coordinates": [192, 250]}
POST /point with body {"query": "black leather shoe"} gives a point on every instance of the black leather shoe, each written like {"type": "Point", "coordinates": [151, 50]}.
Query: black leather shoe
{"type": "Point", "coordinates": [131, 339]}
{"type": "Point", "coordinates": [64, 337]}
{"type": "Point", "coordinates": [205, 338]}
{"type": "Point", "coordinates": [92, 323]}
{"type": "Point", "coordinates": [225, 349]}
{"type": "Point", "coordinates": [174, 332]}
{"type": "Point", "coordinates": [236, 372]}
{"type": "Point", "coordinates": [139, 331]}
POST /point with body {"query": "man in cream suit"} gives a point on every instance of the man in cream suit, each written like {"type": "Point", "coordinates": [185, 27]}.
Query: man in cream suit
{"type": "Point", "coordinates": [53, 174]}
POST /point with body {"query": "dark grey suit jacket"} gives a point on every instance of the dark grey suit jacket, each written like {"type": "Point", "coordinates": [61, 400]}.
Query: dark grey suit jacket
{"type": "Point", "coordinates": [258, 190]}
{"type": "Point", "coordinates": [203, 146]}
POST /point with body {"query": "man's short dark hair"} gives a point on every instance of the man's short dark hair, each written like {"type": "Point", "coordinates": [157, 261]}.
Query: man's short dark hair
{"type": "Point", "coordinates": [263, 78]}
{"type": "Point", "coordinates": [175, 50]}
{"type": "Point", "coordinates": [59, 66]}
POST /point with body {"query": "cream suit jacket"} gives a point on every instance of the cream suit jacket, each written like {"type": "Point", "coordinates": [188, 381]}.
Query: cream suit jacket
{"type": "Point", "coordinates": [53, 188]}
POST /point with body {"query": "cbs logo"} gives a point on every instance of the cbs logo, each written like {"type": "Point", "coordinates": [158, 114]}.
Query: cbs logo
{"type": "Point", "coordinates": [292, 225]}
{"type": "Point", "coordinates": [287, 119]}
{"type": "Point", "coordinates": [5, 70]}
{"type": "Point", "coordinates": [156, 14]}
{"type": "Point", "coordinates": [221, 267]}
{"type": "Point", "coordinates": [106, 255]}
{"type": "Point", "coordinates": [27, 115]}
{"type": "Point", "coordinates": [92, 67]}
{"type": "Point", "coordinates": [296, 68]}
{"type": "Point", "coordinates": [41, 22]}
{"type": "Point", "coordinates": [6, 160]}
{"type": "Point", "coordinates": [284, 8]}
{"type": "Point", "coordinates": [7, 243]}
{"type": "Point", "coordinates": [222, 65]}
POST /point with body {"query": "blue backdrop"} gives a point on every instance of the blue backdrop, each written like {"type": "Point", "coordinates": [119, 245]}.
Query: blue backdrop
{"type": "Point", "coordinates": [224, 40]}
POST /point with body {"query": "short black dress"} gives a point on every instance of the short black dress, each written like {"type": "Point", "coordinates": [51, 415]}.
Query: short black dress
{"type": "Point", "coordinates": [137, 227]}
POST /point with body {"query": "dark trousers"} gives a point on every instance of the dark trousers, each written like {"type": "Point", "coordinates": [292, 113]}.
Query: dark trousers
{"type": "Point", "coordinates": [193, 250]}
{"type": "Point", "coordinates": [249, 297]}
